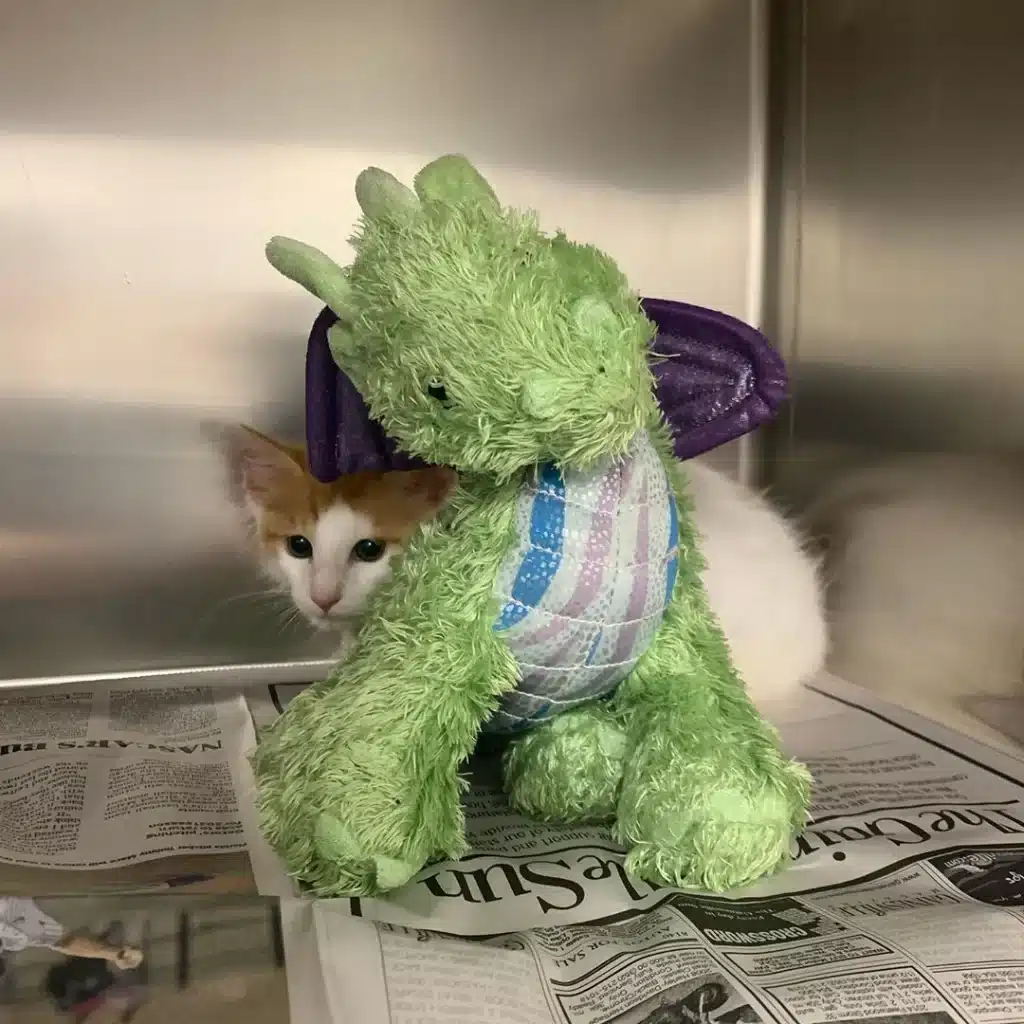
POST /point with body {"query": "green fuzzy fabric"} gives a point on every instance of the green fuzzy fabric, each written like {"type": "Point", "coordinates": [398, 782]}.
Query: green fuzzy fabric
{"type": "Point", "coordinates": [482, 343]}
{"type": "Point", "coordinates": [525, 333]}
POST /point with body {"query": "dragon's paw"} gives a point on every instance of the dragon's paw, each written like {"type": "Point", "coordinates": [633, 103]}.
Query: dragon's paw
{"type": "Point", "coordinates": [356, 866]}
{"type": "Point", "coordinates": [708, 824]}
{"type": "Point", "coordinates": [569, 769]}
{"type": "Point", "coordinates": [358, 820]}
{"type": "Point", "coordinates": [380, 846]}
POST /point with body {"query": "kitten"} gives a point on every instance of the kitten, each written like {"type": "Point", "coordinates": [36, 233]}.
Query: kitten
{"type": "Point", "coordinates": [330, 546]}
{"type": "Point", "coordinates": [925, 558]}
{"type": "Point", "coordinates": [763, 585]}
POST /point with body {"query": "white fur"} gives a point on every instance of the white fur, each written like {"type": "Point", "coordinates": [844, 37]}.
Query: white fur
{"type": "Point", "coordinates": [762, 584]}
{"type": "Point", "coordinates": [333, 572]}
{"type": "Point", "coordinates": [926, 583]}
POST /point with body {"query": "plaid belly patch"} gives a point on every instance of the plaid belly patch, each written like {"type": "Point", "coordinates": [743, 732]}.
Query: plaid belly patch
{"type": "Point", "coordinates": [584, 590]}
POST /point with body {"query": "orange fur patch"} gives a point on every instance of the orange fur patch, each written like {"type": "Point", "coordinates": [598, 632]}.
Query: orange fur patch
{"type": "Point", "coordinates": [396, 503]}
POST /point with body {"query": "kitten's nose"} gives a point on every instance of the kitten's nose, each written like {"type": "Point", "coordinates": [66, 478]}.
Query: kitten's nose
{"type": "Point", "coordinates": [325, 600]}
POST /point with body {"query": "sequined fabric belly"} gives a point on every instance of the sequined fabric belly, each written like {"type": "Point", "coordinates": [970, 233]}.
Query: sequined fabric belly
{"type": "Point", "coordinates": [584, 589]}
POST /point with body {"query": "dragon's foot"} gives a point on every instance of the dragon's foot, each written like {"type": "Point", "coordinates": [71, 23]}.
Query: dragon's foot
{"type": "Point", "coordinates": [708, 822]}
{"type": "Point", "coordinates": [569, 769]}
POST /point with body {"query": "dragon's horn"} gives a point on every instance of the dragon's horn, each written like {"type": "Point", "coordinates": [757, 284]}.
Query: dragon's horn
{"type": "Point", "coordinates": [453, 179]}
{"type": "Point", "coordinates": [316, 272]}
{"type": "Point", "coordinates": [381, 194]}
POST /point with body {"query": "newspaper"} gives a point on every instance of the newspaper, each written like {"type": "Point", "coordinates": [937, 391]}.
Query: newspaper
{"type": "Point", "coordinates": [904, 904]}
{"type": "Point", "coordinates": [106, 780]}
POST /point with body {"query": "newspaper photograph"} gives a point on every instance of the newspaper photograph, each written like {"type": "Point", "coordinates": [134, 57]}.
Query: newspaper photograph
{"type": "Point", "coordinates": [904, 904]}
{"type": "Point", "coordinates": [122, 788]}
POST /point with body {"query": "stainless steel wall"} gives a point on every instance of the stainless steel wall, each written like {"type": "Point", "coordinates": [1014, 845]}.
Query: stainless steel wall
{"type": "Point", "coordinates": [148, 150]}
{"type": "Point", "coordinates": [898, 294]}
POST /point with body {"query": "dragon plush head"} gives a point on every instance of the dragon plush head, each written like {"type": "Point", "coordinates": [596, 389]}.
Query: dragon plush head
{"type": "Point", "coordinates": [477, 340]}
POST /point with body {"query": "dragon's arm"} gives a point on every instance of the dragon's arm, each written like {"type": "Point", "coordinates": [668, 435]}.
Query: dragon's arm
{"type": "Point", "coordinates": [359, 779]}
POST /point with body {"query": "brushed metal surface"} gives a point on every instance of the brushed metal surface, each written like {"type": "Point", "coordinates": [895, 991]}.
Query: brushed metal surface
{"type": "Point", "coordinates": [148, 150]}
{"type": "Point", "coordinates": [899, 297]}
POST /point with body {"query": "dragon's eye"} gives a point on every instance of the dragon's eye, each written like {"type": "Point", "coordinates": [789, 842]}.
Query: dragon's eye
{"type": "Point", "coordinates": [436, 391]}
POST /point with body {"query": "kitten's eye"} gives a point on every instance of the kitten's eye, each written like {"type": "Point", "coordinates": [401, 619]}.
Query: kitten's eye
{"type": "Point", "coordinates": [437, 392]}
{"type": "Point", "coordinates": [368, 550]}
{"type": "Point", "coordinates": [298, 546]}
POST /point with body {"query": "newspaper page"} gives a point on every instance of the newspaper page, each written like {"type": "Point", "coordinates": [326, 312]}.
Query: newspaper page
{"type": "Point", "coordinates": [904, 904]}
{"type": "Point", "coordinates": [97, 782]}
{"type": "Point", "coordinates": [907, 948]}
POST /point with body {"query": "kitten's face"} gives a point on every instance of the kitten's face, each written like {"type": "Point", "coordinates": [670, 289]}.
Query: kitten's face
{"type": "Point", "coordinates": [330, 545]}
{"type": "Point", "coordinates": [331, 558]}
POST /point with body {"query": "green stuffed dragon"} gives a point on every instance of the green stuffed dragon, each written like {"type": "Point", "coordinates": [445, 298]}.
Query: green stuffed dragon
{"type": "Point", "coordinates": [556, 600]}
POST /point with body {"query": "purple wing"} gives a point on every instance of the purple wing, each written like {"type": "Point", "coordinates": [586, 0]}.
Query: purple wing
{"type": "Point", "coordinates": [716, 378]}
{"type": "Point", "coordinates": [341, 436]}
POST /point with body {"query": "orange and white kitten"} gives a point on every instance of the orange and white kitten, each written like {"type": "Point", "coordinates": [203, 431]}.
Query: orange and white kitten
{"type": "Point", "coordinates": [329, 545]}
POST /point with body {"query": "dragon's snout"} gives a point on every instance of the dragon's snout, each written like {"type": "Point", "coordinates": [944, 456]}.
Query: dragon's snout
{"type": "Point", "coordinates": [546, 397]}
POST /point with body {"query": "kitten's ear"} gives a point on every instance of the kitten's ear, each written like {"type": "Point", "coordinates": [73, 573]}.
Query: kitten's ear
{"type": "Point", "coordinates": [432, 486]}
{"type": "Point", "coordinates": [258, 466]}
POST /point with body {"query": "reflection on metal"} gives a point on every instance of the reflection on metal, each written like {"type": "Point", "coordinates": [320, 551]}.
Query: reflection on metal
{"type": "Point", "coordinates": [274, 673]}
{"type": "Point", "coordinates": [146, 153]}
{"type": "Point", "coordinates": [900, 229]}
